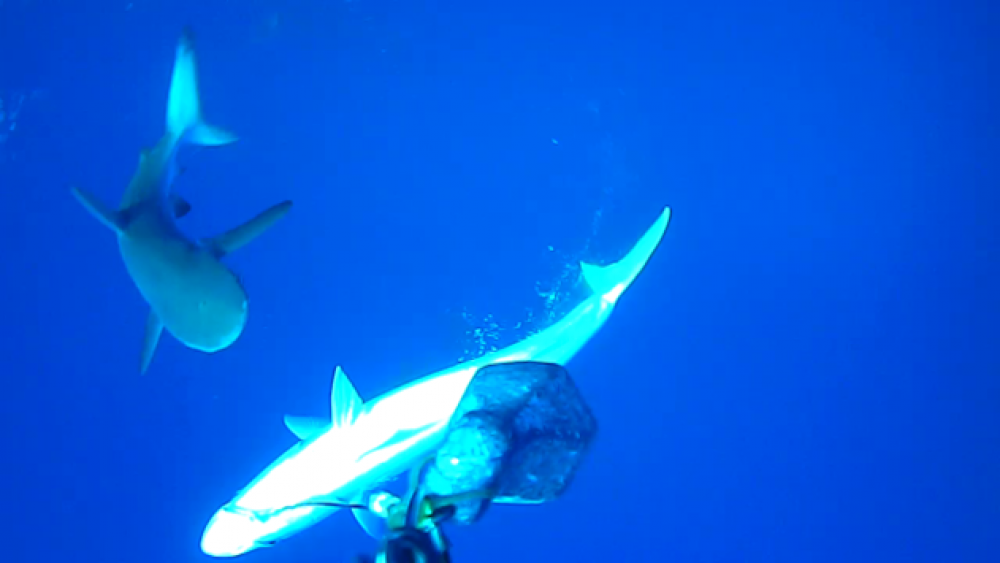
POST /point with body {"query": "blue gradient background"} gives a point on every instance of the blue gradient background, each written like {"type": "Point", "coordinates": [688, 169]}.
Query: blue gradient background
{"type": "Point", "coordinates": [807, 371]}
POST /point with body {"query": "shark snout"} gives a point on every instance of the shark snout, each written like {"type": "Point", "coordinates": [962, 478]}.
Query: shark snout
{"type": "Point", "coordinates": [209, 313]}
{"type": "Point", "coordinates": [219, 324]}
{"type": "Point", "coordinates": [228, 534]}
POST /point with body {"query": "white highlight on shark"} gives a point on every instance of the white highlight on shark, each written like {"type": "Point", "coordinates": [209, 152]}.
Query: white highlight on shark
{"type": "Point", "coordinates": [344, 459]}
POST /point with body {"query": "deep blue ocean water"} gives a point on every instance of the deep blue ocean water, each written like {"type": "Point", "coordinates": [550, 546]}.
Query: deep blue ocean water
{"type": "Point", "coordinates": [807, 370]}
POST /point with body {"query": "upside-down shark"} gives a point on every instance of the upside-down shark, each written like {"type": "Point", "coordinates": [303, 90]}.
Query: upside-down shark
{"type": "Point", "coordinates": [341, 461]}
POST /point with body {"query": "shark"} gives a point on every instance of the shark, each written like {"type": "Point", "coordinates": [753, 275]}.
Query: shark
{"type": "Point", "coordinates": [340, 462]}
{"type": "Point", "coordinates": [191, 294]}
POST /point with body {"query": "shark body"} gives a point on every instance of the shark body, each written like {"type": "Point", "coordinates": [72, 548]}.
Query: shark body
{"type": "Point", "coordinates": [190, 292]}
{"type": "Point", "coordinates": [344, 460]}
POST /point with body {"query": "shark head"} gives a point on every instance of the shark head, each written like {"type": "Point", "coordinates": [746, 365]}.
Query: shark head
{"type": "Point", "coordinates": [234, 531]}
{"type": "Point", "coordinates": [337, 463]}
{"type": "Point", "coordinates": [208, 306]}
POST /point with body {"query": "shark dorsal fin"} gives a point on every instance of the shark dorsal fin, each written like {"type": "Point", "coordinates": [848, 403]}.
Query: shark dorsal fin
{"type": "Point", "coordinates": [306, 427]}
{"type": "Point", "coordinates": [345, 406]}
{"type": "Point", "coordinates": [345, 402]}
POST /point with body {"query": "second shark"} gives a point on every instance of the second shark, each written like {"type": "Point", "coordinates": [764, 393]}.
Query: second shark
{"type": "Point", "coordinates": [191, 294]}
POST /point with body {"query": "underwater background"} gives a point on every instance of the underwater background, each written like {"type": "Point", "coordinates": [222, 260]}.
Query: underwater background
{"type": "Point", "coordinates": [806, 371]}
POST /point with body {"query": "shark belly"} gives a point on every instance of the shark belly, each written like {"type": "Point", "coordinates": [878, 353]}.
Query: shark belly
{"type": "Point", "coordinates": [196, 299]}
{"type": "Point", "coordinates": [150, 262]}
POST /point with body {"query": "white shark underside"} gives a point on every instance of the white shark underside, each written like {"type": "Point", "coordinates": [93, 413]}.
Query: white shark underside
{"type": "Point", "coordinates": [367, 443]}
{"type": "Point", "coordinates": [190, 292]}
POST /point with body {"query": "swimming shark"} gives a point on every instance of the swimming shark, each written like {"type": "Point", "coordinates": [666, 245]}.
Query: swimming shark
{"type": "Point", "coordinates": [345, 459]}
{"type": "Point", "coordinates": [191, 294]}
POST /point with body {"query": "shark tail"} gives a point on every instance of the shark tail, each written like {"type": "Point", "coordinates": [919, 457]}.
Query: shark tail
{"type": "Point", "coordinates": [184, 120]}
{"type": "Point", "coordinates": [612, 280]}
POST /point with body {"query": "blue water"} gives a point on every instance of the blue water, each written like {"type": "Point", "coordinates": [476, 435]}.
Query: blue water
{"type": "Point", "coordinates": [807, 371]}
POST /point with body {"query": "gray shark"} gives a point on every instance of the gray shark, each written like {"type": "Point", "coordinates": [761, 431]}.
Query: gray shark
{"type": "Point", "coordinates": [190, 292]}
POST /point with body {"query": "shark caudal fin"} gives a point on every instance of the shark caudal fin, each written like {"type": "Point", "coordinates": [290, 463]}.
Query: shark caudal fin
{"type": "Point", "coordinates": [184, 120]}
{"type": "Point", "coordinates": [613, 279]}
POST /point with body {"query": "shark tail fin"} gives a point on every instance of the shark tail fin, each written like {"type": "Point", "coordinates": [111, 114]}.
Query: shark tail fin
{"type": "Point", "coordinates": [612, 280]}
{"type": "Point", "coordinates": [184, 120]}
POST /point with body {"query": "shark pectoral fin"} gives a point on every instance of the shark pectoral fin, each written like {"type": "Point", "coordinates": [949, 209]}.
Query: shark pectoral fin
{"type": "Point", "coordinates": [306, 427]}
{"type": "Point", "coordinates": [374, 526]}
{"type": "Point", "coordinates": [372, 511]}
{"type": "Point", "coordinates": [106, 215]}
{"type": "Point", "coordinates": [154, 328]}
{"type": "Point", "coordinates": [345, 402]}
{"type": "Point", "coordinates": [180, 205]}
{"type": "Point", "coordinates": [235, 238]}
{"type": "Point", "coordinates": [611, 280]}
